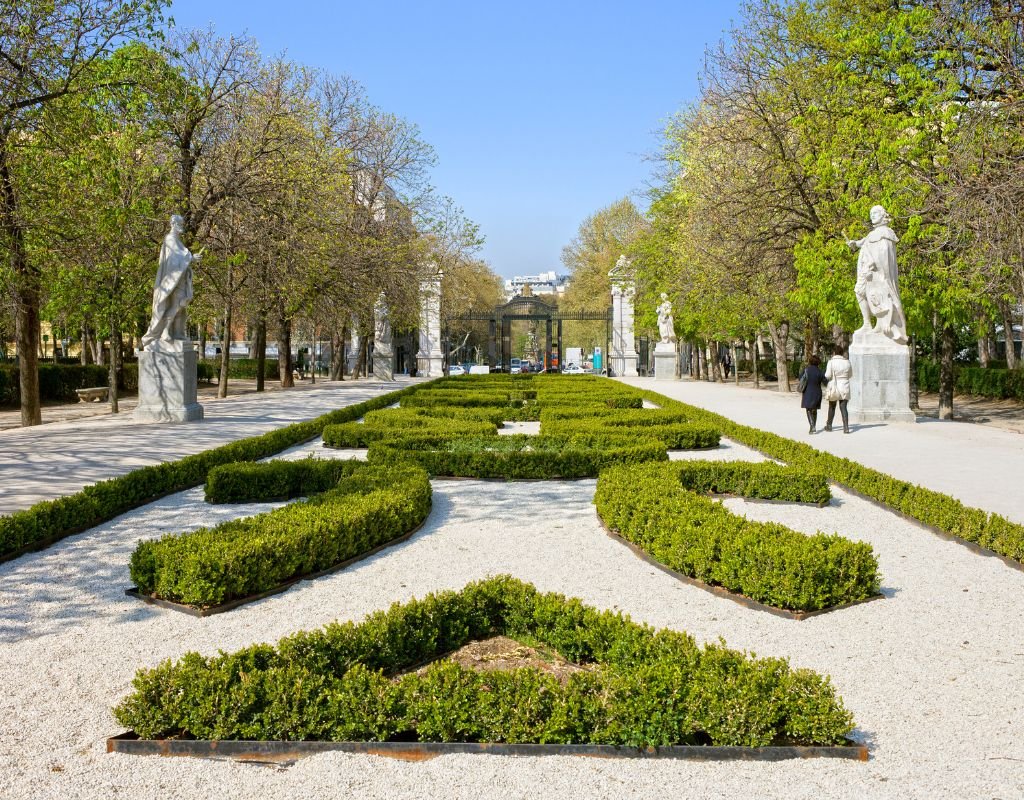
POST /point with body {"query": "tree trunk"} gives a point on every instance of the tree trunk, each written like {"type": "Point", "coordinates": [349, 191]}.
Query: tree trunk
{"type": "Point", "coordinates": [27, 288]}
{"type": "Point", "coordinates": [701, 363]}
{"type": "Point", "coordinates": [225, 350]}
{"type": "Point", "coordinates": [716, 367]}
{"type": "Point", "coordinates": [261, 351]}
{"type": "Point", "coordinates": [85, 354]}
{"type": "Point", "coordinates": [780, 336]}
{"type": "Point", "coordinates": [97, 350]}
{"type": "Point", "coordinates": [202, 340]}
{"type": "Point", "coordinates": [338, 339]}
{"type": "Point", "coordinates": [115, 366]}
{"type": "Point", "coordinates": [915, 392]}
{"type": "Point", "coordinates": [735, 363]}
{"type": "Point", "coordinates": [362, 362]}
{"type": "Point", "coordinates": [946, 373]}
{"type": "Point", "coordinates": [755, 361]}
{"type": "Point", "coordinates": [1011, 353]}
{"type": "Point", "coordinates": [284, 350]}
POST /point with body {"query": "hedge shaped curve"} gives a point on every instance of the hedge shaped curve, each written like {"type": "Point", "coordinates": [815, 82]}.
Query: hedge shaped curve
{"type": "Point", "coordinates": [651, 506]}
{"type": "Point", "coordinates": [345, 683]}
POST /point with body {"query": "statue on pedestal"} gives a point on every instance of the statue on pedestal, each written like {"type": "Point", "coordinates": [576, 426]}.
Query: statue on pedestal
{"type": "Point", "coordinates": [381, 323]}
{"type": "Point", "coordinates": [877, 286]}
{"type": "Point", "coordinates": [173, 290]}
{"type": "Point", "coordinates": [666, 323]}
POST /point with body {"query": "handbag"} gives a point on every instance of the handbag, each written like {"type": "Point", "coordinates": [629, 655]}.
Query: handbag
{"type": "Point", "coordinates": [832, 392]}
{"type": "Point", "coordinates": [802, 383]}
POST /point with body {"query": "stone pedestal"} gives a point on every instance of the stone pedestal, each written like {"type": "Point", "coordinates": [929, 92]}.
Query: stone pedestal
{"type": "Point", "coordinates": [666, 361]}
{"type": "Point", "coordinates": [167, 383]}
{"type": "Point", "coordinates": [880, 386]}
{"type": "Point", "coordinates": [624, 358]}
{"type": "Point", "coordinates": [383, 362]}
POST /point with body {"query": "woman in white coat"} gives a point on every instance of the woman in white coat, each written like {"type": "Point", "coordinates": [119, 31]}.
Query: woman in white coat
{"type": "Point", "coordinates": [838, 372]}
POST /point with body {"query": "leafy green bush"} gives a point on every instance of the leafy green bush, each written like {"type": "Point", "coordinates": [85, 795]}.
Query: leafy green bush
{"type": "Point", "coordinates": [57, 382]}
{"type": "Point", "coordinates": [345, 682]}
{"type": "Point", "coordinates": [517, 456]}
{"type": "Point", "coordinates": [51, 520]}
{"type": "Point", "coordinates": [650, 506]}
{"type": "Point", "coordinates": [941, 511]}
{"type": "Point", "coordinates": [369, 506]}
{"type": "Point", "coordinates": [244, 368]}
{"type": "Point", "coordinates": [659, 424]}
{"type": "Point", "coordinates": [246, 482]}
{"type": "Point", "coordinates": [354, 434]}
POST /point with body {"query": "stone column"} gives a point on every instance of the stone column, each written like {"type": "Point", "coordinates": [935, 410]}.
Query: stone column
{"type": "Point", "coordinates": [383, 352]}
{"type": "Point", "coordinates": [167, 383]}
{"type": "Point", "coordinates": [880, 386]}
{"type": "Point", "coordinates": [430, 358]}
{"type": "Point", "coordinates": [624, 357]}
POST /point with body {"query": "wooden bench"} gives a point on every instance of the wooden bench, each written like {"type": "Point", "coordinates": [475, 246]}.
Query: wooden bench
{"type": "Point", "coordinates": [94, 394]}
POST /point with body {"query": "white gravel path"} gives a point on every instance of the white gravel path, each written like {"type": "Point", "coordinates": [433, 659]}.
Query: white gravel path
{"type": "Point", "coordinates": [933, 673]}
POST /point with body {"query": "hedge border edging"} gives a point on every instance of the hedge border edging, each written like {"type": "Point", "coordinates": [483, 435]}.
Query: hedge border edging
{"type": "Point", "coordinates": [284, 752]}
{"type": "Point", "coordinates": [231, 605]}
{"type": "Point", "coordinates": [721, 591]}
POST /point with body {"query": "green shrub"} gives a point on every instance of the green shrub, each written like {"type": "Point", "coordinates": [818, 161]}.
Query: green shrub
{"type": "Point", "coordinates": [51, 520]}
{"type": "Point", "coordinates": [929, 507]}
{"type": "Point", "coordinates": [354, 434]}
{"type": "Point", "coordinates": [659, 424]}
{"type": "Point", "coordinates": [345, 682]}
{"type": "Point", "coordinates": [369, 506]}
{"type": "Point", "coordinates": [57, 382]}
{"type": "Point", "coordinates": [246, 482]}
{"type": "Point", "coordinates": [244, 368]}
{"type": "Point", "coordinates": [517, 456]}
{"type": "Point", "coordinates": [651, 506]}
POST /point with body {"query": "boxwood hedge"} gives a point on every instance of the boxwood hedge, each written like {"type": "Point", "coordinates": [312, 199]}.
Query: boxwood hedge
{"type": "Point", "coordinates": [517, 456]}
{"type": "Point", "coordinates": [52, 520]}
{"type": "Point", "coordinates": [991, 531]}
{"type": "Point", "coordinates": [651, 506]}
{"type": "Point", "coordinates": [369, 506]}
{"type": "Point", "coordinates": [345, 682]}
{"type": "Point", "coordinates": [247, 482]}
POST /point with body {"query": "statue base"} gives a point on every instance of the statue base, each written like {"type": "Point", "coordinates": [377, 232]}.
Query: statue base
{"type": "Point", "coordinates": [624, 365]}
{"type": "Point", "coordinates": [167, 383]}
{"type": "Point", "coordinates": [383, 363]}
{"type": "Point", "coordinates": [880, 386]}
{"type": "Point", "coordinates": [666, 362]}
{"type": "Point", "coordinates": [430, 365]}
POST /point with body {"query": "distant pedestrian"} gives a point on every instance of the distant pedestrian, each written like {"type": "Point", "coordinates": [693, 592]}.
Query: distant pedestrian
{"type": "Point", "coordinates": [726, 364]}
{"type": "Point", "coordinates": [838, 372]}
{"type": "Point", "coordinates": [811, 381]}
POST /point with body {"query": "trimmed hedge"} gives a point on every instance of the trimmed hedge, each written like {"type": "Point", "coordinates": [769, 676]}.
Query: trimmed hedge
{"type": "Point", "coordinates": [517, 456]}
{"type": "Point", "coordinates": [354, 434]}
{"type": "Point", "coordinates": [675, 435]}
{"type": "Point", "coordinates": [979, 381]}
{"type": "Point", "coordinates": [938, 510]}
{"type": "Point", "coordinates": [650, 506]}
{"type": "Point", "coordinates": [345, 682]}
{"type": "Point", "coordinates": [244, 368]}
{"type": "Point", "coordinates": [57, 382]}
{"type": "Point", "coordinates": [51, 520]}
{"type": "Point", "coordinates": [766, 481]}
{"type": "Point", "coordinates": [247, 482]}
{"type": "Point", "coordinates": [369, 506]}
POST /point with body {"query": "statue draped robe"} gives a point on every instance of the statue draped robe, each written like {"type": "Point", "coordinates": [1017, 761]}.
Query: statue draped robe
{"type": "Point", "coordinates": [878, 282]}
{"type": "Point", "coordinates": [172, 292]}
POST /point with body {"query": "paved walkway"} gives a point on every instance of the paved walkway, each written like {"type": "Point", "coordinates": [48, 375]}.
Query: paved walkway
{"type": "Point", "coordinates": [48, 461]}
{"type": "Point", "coordinates": [981, 465]}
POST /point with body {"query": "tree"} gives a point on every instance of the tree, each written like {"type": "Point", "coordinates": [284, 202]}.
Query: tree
{"type": "Point", "coordinates": [47, 50]}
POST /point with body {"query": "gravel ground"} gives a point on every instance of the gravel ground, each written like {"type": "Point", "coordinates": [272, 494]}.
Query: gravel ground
{"type": "Point", "coordinates": [932, 673]}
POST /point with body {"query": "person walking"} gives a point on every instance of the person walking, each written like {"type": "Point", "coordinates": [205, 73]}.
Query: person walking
{"type": "Point", "coordinates": [838, 372]}
{"type": "Point", "coordinates": [811, 381]}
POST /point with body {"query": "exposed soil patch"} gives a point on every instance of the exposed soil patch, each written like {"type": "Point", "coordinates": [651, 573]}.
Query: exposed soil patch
{"type": "Point", "coordinates": [502, 654]}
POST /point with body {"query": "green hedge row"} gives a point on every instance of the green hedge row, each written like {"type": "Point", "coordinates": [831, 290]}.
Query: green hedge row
{"type": "Point", "coordinates": [248, 482]}
{"type": "Point", "coordinates": [368, 507]}
{"type": "Point", "coordinates": [240, 368]}
{"type": "Point", "coordinates": [766, 481]}
{"type": "Point", "coordinates": [354, 434]}
{"type": "Point", "coordinates": [673, 434]}
{"type": "Point", "coordinates": [979, 381]}
{"type": "Point", "coordinates": [938, 510]}
{"type": "Point", "coordinates": [517, 456]}
{"type": "Point", "coordinates": [650, 506]}
{"type": "Point", "coordinates": [345, 683]}
{"type": "Point", "coordinates": [55, 519]}
{"type": "Point", "coordinates": [57, 382]}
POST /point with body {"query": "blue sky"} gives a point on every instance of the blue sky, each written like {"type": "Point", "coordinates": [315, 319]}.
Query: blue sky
{"type": "Point", "coordinates": [540, 113]}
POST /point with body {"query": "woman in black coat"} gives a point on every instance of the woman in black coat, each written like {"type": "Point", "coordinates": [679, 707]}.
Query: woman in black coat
{"type": "Point", "coordinates": [812, 379]}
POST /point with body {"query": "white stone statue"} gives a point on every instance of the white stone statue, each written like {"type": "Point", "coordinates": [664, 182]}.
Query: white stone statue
{"type": "Point", "coordinates": [666, 323]}
{"type": "Point", "coordinates": [173, 290]}
{"type": "Point", "coordinates": [381, 322]}
{"type": "Point", "coordinates": [877, 288]}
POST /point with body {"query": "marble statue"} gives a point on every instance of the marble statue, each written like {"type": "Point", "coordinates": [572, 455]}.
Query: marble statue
{"type": "Point", "coordinates": [666, 323]}
{"type": "Point", "coordinates": [381, 322]}
{"type": "Point", "coordinates": [877, 288]}
{"type": "Point", "coordinates": [173, 290]}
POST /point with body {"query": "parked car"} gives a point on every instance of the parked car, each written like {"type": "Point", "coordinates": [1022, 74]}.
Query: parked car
{"type": "Point", "coordinates": [456, 369]}
{"type": "Point", "coordinates": [573, 369]}
{"type": "Point", "coordinates": [479, 369]}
